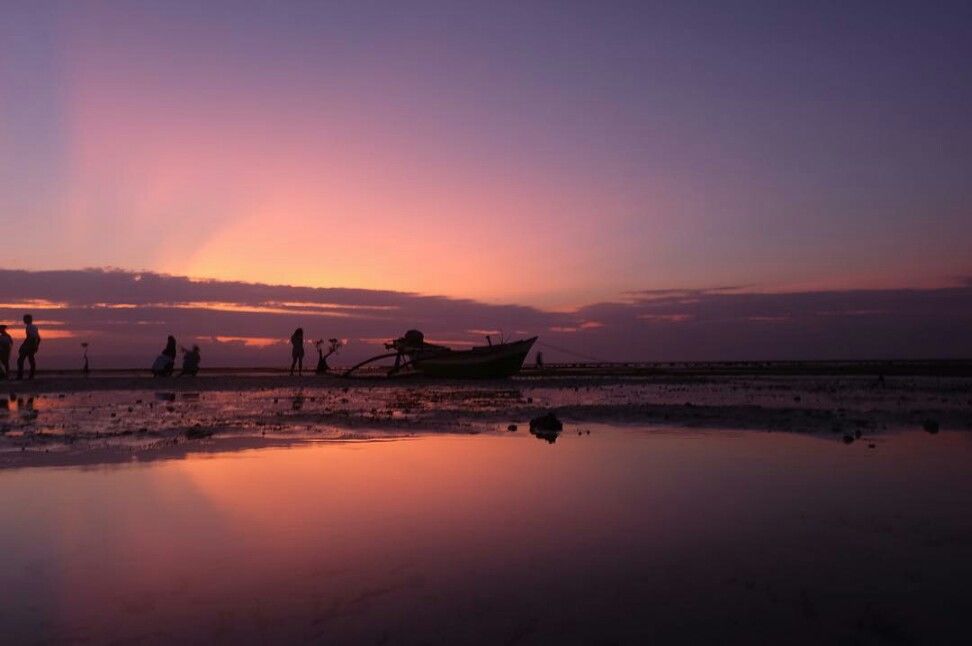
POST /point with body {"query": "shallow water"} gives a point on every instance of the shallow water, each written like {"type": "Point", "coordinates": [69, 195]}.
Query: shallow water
{"type": "Point", "coordinates": [620, 535]}
{"type": "Point", "coordinates": [153, 413]}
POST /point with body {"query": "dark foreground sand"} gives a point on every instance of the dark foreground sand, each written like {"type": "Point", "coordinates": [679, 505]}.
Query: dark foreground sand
{"type": "Point", "coordinates": [68, 419]}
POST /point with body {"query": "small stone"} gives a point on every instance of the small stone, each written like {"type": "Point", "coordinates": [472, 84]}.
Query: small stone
{"type": "Point", "coordinates": [511, 428]}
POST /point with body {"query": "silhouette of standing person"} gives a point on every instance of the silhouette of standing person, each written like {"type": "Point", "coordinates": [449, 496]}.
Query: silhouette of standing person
{"type": "Point", "coordinates": [28, 348]}
{"type": "Point", "coordinates": [6, 346]}
{"type": "Point", "coordinates": [297, 341]}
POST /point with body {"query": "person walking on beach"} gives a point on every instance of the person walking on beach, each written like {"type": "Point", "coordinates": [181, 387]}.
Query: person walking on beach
{"type": "Point", "coordinates": [6, 346]}
{"type": "Point", "coordinates": [297, 341]}
{"type": "Point", "coordinates": [28, 348]}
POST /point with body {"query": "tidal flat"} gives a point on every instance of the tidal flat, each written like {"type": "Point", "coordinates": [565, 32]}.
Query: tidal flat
{"type": "Point", "coordinates": [234, 509]}
{"type": "Point", "coordinates": [71, 420]}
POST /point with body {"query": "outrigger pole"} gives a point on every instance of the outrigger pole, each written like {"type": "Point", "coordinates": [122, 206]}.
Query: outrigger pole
{"type": "Point", "coordinates": [347, 373]}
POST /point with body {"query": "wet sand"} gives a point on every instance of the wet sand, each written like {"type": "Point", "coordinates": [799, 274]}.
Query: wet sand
{"type": "Point", "coordinates": [72, 420]}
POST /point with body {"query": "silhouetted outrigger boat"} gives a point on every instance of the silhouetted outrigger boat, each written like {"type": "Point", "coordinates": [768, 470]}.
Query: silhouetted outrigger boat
{"type": "Point", "coordinates": [413, 355]}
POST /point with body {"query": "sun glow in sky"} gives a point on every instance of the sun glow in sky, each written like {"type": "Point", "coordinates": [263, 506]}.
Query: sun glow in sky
{"type": "Point", "coordinates": [553, 154]}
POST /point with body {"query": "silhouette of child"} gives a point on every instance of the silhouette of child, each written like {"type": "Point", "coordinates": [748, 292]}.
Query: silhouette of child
{"type": "Point", "coordinates": [190, 361]}
{"type": "Point", "coordinates": [322, 367]}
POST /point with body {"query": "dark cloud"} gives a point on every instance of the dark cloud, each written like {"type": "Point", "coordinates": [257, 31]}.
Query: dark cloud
{"type": "Point", "coordinates": [126, 315]}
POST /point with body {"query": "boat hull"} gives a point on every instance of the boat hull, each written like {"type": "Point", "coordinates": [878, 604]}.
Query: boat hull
{"type": "Point", "coordinates": [501, 360]}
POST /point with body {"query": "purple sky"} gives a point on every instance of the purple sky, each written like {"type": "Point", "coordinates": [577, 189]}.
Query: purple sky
{"type": "Point", "coordinates": [559, 155]}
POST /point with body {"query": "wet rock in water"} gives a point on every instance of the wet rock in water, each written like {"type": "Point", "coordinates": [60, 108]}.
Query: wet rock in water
{"type": "Point", "coordinates": [511, 428]}
{"type": "Point", "coordinates": [546, 427]}
{"type": "Point", "coordinates": [548, 422]}
{"type": "Point", "coordinates": [848, 438]}
{"type": "Point", "coordinates": [930, 425]}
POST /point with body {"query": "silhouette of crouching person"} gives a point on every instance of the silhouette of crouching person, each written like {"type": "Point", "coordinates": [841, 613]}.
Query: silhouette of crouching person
{"type": "Point", "coordinates": [190, 361]}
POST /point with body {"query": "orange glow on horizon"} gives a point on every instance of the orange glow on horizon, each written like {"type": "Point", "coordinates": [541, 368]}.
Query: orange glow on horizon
{"type": "Point", "coordinates": [248, 341]}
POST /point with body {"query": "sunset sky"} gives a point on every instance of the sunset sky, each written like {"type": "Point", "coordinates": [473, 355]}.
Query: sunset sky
{"type": "Point", "coordinates": [558, 156]}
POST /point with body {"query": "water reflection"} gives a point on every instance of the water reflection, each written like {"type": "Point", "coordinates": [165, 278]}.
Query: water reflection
{"type": "Point", "coordinates": [548, 436]}
{"type": "Point", "coordinates": [621, 535]}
